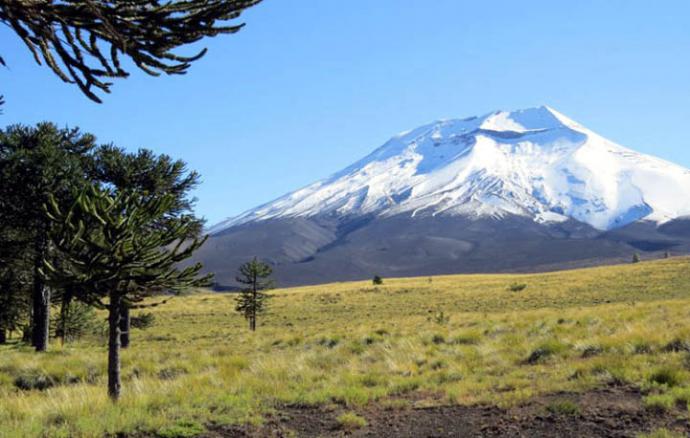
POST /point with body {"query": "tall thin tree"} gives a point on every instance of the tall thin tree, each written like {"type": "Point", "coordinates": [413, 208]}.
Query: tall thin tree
{"type": "Point", "coordinates": [111, 251]}
{"type": "Point", "coordinates": [252, 299]}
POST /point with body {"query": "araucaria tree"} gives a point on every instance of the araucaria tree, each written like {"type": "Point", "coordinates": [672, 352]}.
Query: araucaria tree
{"type": "Point", "coordinates": [83, 42]}
{"type": "Point", "coordinates": [36, 162]}
{"type": "Point", "coordinates": [115, 257]}
{"type": "Point", "coordinates": [254, 275]}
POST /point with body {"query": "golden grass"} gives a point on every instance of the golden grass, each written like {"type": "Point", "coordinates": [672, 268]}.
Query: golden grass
{"type": "Point", "coordinates": [472, 338]}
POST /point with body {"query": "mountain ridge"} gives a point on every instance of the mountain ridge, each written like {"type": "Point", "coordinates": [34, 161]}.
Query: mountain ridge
{"type": "Point", "coordinates": [535, 162]}
{"type": "Point", "coordinates": [516, 191]}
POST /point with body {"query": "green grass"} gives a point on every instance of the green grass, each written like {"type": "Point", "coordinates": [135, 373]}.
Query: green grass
{"type": "Point", "coordinates": [351, 421]}
{"type": "Point", "coordinates": [469, 338]}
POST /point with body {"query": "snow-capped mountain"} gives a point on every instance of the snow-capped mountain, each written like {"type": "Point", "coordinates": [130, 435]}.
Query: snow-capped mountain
{"type": "Point", "coordinates": [509, 191]}
{"type": "Point", "coordinates": [534, 163]}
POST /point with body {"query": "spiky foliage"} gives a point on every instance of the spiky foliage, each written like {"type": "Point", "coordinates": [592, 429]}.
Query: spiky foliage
{"type": "Point", "coordinates": [14, 298]}
{"type": "Point", "coordinates": [114, 256]}
{"type": "Point", "coordinates": [75, 320]}
{"type": "Point", "coordinates": [150, 175]}
{"type": "Point", "coordinates": [35, 162]}
{"type": "Point", "coordinates": [252, 300]}
{"type": "Point", "coordinates": [82, 41]}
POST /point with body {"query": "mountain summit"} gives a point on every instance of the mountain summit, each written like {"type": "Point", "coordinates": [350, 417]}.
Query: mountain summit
{"type": "Point", "coordinates": [509, 191]}
{"type": "Point", "coordinates": [534, 163]}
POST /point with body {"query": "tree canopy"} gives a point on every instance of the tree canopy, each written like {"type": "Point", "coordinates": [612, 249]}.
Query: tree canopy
{"type": "Point", "coordinates": [83, 42]}
{"type": "Point", "coordinates": [115, 257]}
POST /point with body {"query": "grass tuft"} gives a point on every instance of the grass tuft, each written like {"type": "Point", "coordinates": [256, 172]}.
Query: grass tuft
{"type": "Point", "coordinates": [351, 421]}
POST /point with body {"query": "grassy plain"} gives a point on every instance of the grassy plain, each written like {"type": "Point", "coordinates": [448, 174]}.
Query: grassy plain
{"type": "Point", "coordinates": [470, 338]}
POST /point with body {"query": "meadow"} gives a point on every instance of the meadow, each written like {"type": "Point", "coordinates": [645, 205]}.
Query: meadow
{"type": "Point", "coordinates": [453, 340]}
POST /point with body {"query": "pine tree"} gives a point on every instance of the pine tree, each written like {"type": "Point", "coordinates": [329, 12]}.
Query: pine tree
{"type": "Point", "coordinates": [113, 256]}
{"type": "Point", "coordinates": [252, 300]}
{"type": "Point", "coordinates": [83, 41]}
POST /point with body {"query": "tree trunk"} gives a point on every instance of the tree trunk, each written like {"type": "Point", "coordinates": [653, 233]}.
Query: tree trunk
{"type": "Point", "coordinates": [124, 326]}
{"type": "Point", "coordinates": [41, 315]}
{"type": "Point", "coordinates": [3, 336]}
{"type": "Point", "coordinates": [252, 320]}
{"type": "Point", "coordinates": [114, 382]}
{"type": "Point", "coordinates": [64, 314]}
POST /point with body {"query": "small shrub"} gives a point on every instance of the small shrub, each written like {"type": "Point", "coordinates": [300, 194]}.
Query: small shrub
{"type": "Point", "coordinates": [181, 429]}
{"type": "Point", "coordinates": [351, 421]}
{"type": "Point", "coordinates": [545, 351]}
{"type": "Point", "coordinates": [641, 347]}
{"type": "Point", "coordinates": [377, 280]}
{"type": "Point", "coordinates": [329, 342]}
{"type": "Point", "coordinates": [636, 258]}
{"type": "Point", "coordinates": [78, 320]}
{"type": "Point", "coordinates": [591, 351]}
{"type": "Point", "coordinates": [441, 318]}
{"type": "Point", "coordinates": [142, 321]}
{"type": "Point", "coordinates": [677, 345]}
{"type": "Point", "coordinates": [438, 339]}
{"type": "Point", "coordinates": [563, 407]}
{"type": "Point", "coordinates": [666, 376]}
{"type": "Point", "coordinates": [517, 287]}
{"type": "Point", "coordinates": [659, 403]}
{"type": "Point", "coordinates": [404, 387]}
{"type": "Point", "coordinates": [34, 381]}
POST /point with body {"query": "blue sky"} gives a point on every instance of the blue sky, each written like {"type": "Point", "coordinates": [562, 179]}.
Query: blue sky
{"type": "Point", "coordinates": [310, 86]}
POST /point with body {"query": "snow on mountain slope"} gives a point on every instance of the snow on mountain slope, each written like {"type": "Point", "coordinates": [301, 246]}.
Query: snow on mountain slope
{"type": "Point", "coordinates": [534, 162]}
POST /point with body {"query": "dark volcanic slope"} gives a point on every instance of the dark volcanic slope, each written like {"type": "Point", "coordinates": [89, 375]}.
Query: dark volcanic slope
{"type": "Point", "coordinates": [320, 250]}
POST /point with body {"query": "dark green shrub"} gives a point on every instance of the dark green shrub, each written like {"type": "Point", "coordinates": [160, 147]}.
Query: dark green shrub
{"type": "Point", "coordinates": [34, 381]}
{"type": "Point", "coordinates": [143, 321]}
{"type": "Point", "coordinates": [377, 280]}
{"type": "Point", "coordinates": [545, 351]}
{"type": "Point", "coordinates": [666, 376]}
{"type": "Point", "coordinates": [517, 287]}
{"type": "Point", "coordinates": [677, 345]}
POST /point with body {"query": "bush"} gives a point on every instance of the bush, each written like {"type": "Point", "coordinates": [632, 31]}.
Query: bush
{"type": "Point", "coordinates": [563, 407]}
{"type": "Point", "coordinates": [659, 403]}
{"type": "Point", "coordinates": [517, 287]}
{"type": "Point", "coordinates": [34, 381]}
{"type": "Point", "coordinates": [142, 321]}
{"type": "Point", "coordinates": [591, 350]}
{"type": "Point", "coordinates": [677, 345]}
{"type": "Point", "coordinates": [351, 421]}
{"type": "Point", "coordinates": [544, 351]}
{"type": "Point", "coordinates": [666, 376]}
{"type": "Point", "coordinates": [438, 339]}
{"type": "Point", "coordinates": [182, 429]}
{"type": "Point", "coordinates": [377, 280]}
{"type": "Point", "coordinates": [79, 320]}
{"type": "Point", "coordinates": [441, 318]}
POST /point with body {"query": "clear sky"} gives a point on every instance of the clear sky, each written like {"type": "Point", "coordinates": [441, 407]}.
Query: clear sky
{"type": "Point", "coordinates": [310, 86]}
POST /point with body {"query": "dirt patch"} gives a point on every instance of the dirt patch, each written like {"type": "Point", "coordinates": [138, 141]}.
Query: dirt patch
{"type": "Point", "coordinates": [610, 412]}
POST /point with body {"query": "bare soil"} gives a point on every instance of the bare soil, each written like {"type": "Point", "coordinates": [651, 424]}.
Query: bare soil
{"type": "Point", "coordinates": [608, 412]}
